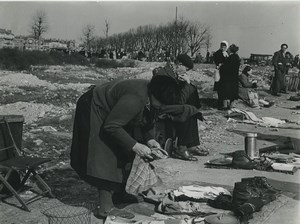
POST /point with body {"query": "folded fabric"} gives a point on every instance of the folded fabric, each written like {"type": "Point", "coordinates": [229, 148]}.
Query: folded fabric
{"type": "Point", "coordinates": [274, 122]}
{"type": "Point", "coordinates": [200, 192]}
{"type": "Point", "coordinates": [142, 176]}
{"type": "Point", "coordinates": [118, 220]}
{"type": "Point", "coordinates": [251, 118]}
{"type": "Point", "coordinates": [249, 115]}
{"type": "Point", "coordinates": [170, 207]}
{"type": "Point", "coordinates": [221, 219]}
{"type": "Point", "coordinates": [284, 167]}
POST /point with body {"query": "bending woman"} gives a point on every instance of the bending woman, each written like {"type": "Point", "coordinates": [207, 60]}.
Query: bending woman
{"type": "Point", "coordinates": [113, 122]}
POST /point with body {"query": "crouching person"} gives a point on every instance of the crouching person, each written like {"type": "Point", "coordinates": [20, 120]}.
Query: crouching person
{"type": "Point", "coordinates": [247, 91]}
{"type": "Point", "coordinates": [175, 90]}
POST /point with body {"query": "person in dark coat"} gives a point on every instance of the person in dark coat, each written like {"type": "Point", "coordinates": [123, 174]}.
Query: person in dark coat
{"type": "Point", "coordinates": [113, 122]}
{"type": "Point", "coordinates": [220, 57]}
{"type": "Point", "coordinates": [182, 92]}
{"type": "Point", "coordinates": [229, 78]}
{"type": "Point", "coordinates": [279, 62]}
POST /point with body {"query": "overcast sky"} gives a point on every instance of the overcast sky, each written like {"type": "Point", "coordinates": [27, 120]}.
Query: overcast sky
{"type": "Point", "coordinates": [256, 27]}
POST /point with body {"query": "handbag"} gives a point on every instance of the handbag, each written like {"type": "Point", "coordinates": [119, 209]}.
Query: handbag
{"type": "Point", "coordinates": [217, 75]}
{"type": "Point", "coordinates": [253, 99]}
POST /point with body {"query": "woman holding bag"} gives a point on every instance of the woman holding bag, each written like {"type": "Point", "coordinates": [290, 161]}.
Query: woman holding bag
{"type": "Point", "coordinates": [220, 57]}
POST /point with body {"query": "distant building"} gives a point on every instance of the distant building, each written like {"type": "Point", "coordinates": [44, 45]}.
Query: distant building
{"type": "Point", "coordinates": [19, 43]}
{"type": "Point", "coordinates": [260, 59]}
{"type": "Point", "coordinates": [6, 39]}
{"type": "Point", "coordinates": [31, 44]}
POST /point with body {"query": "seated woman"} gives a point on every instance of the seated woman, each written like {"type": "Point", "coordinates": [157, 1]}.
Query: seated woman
{"type": "Point", "coordinates": [247, 91]}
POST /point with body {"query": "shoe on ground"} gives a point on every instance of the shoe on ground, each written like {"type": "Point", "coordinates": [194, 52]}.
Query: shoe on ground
{"type": "Point", "coordinates": [198, 150]}
{"type": "Point", "coordinates": [270, 104]}
{"type": "Point", "coordinates": [183, 155]}
{"type": "Point", "coordinates": [113, 212]}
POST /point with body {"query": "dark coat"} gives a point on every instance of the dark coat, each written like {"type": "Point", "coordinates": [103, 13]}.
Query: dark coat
{"type": "Point", "coordinates": [109, 120]}
{"type": "Point", "coordinates": [219, 57]}
{"type": "Point", "coordinates": [219, 60]}
{"type": "Point", "coordinates": [229, 78]}
{"type": "Point", "coordinates": [280, 66]}
{"type": "Point", "coordinates": [279, 61]}
{"type": "Point", "coordinates": [178, 92]}
{"type": "Point", "coordinates": [244, 87]}
{"type": "Point", "coordinates": [104, 124]}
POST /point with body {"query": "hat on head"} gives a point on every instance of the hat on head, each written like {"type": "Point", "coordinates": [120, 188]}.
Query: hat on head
{"type": "Point", "coordinates": [233, 48]}
{"type": "Point", "coordinates": [225, 43]}
{"type": "Point", "coordinates": [284, 45]}
{"type": "Point", "coordinates": [185, 60]}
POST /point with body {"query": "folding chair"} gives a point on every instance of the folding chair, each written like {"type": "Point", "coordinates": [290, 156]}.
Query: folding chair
{"type": "Point", "coordinates": [12, 160]}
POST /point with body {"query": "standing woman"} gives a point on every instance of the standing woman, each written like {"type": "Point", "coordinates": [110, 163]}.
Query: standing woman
{"type": "Point", "coordinates": [220, 57]}
{"type": "Point", "coordinates": [229, 78]}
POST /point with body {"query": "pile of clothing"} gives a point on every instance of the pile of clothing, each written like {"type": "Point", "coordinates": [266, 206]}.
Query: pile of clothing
{"type": "Point", "coordinates": [190, 200]}
{"type": "Point", "coordinates": [207, 204]}
{"type": "Point", "coordinates": [248, 117]}
{"type": "Point", "coordinates": [249, 196]}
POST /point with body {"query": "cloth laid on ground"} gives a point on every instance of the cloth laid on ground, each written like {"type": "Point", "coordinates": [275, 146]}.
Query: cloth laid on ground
{"type": "Point", "coordinates": [144, 220]}
{"type": "Point", "coordinates": [250, 118]}
{"type": "Point", "coordinates": [190, 200]}
{"type": "Point", "coordinates": [196, 193]}
{"type": "Point", "coordinates": [170, 207]}
{"type": "Point", "coordinates": [142, 175]}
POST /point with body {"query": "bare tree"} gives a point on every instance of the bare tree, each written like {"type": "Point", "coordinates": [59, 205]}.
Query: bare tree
{"type": "Point", "coordinates": [107, 27]}
{"type": "Point", "coordinates": [197, 35]}
{"type": "Point", "coordinates": [39, 26]}
{"type": "Point", "coordinates": [208, 40]}
{"type": "Point", "coordinates": [88, 37]}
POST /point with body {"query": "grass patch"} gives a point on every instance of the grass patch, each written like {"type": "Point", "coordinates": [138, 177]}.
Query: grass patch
{"type": "Point", "coordinates": [14, 59]}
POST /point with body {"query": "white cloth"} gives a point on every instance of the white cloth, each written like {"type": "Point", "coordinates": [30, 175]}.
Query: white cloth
{"type": "Point", "coordinates": [272, 121]}
{"type": "Point", "coordinates": [264, 121]}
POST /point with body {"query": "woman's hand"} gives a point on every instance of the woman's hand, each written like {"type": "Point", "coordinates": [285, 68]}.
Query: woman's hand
{"type": "Point", "coordinates": [184, 77]}
{"type": "Point", "coordinates": [142, 150]}
{"type": "Point", "coordinates": [153, 144]}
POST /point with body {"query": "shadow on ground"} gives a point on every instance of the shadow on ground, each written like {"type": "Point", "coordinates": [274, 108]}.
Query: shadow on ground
{"type": "Point", "coordinates": [69, 188]}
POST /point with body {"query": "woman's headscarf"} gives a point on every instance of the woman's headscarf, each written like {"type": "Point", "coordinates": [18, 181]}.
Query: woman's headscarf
{"type": "Point", "coordinates": [225, 43]}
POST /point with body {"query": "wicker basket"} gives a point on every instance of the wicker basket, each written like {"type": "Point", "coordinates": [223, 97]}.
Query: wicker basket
{"type": "Point", "coordinates": [66, 214]}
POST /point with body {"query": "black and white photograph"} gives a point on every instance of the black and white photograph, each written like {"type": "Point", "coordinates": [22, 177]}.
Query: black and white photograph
{"type": "Point", "coordinates": [149, 112]}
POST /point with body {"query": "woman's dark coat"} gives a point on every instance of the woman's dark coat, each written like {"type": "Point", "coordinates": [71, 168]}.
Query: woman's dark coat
{"type": "Point", "coordinates": [105, 121]}
{"type": "Point", "coordinates": [109, 120]}
{"type": "Point", "coordinates": [219, 60]}
{"type": "Point", "coordinates": [229, 78]}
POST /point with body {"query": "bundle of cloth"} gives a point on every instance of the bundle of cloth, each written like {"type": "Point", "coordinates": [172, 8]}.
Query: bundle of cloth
{"type": "Point", "coordinates": [190, 200]}
{"type": "Point", "coordinates": [250, 118]}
